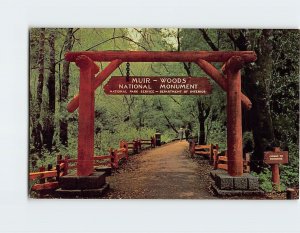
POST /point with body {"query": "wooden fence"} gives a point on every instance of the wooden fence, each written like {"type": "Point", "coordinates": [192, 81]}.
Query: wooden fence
{"type": "Point", "coordinates": [49, 179]}
{"type": "Point", "coordinates": [204, 150]}
{"type": "Point", "coordinates": [219, 160]}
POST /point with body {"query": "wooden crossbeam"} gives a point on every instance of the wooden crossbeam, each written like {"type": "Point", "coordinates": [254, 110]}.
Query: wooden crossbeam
{"type": "Point", "coordinates": [162, 56]}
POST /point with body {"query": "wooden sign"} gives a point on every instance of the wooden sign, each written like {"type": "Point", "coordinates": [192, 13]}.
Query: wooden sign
{"type": "Point", "coordinates": [142, 85]}
{"type": "Point", "coordinates": [278, 157]}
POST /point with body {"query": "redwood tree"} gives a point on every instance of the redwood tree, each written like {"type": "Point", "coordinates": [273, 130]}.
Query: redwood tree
{"type": "Point", "coordinates": [68, 44]}
{"type": "Point", "coordinates": [36, 126]}
{"type": "Point", "coordinates": [48, 123]}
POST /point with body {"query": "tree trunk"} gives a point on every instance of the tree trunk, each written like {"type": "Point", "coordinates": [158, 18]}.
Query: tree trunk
{"type": "Point", "coordinates": [202, 115]}
{"type": "Point", "coordinates": [202, 131]}
{"type": "Point", "coordinates": [36, 128]}
{"type": "Point", "coordinates": [260, 114]}
{"type": "Point", "coordinates": [48, 128]}
{"type": "Point", "coordinates": [167, 119]}
{"type": "Point", "coordinates": [63, 134]}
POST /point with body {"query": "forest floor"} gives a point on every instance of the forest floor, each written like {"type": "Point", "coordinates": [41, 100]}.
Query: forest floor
{"type": "Point", "coordinates": [162, 173]}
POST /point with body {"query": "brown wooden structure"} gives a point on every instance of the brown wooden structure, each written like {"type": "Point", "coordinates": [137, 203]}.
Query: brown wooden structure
{"type": "Point", "coordinates": [229, 79]}
{"type": "Point", "coordinates": [45, 181]}
{"type": "Point", "coordinates": [274, 158]}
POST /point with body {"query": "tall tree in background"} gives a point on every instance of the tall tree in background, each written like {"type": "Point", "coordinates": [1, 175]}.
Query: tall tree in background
{"type": "Point", "coordinates": [200, 103]}
{"type": "Point", "coordinates": [68, 44]}
{"type": "Point", "coordinates": [258, 89]}
{"type": "Point", "coordinates": [203, 113]}
{"type": "Point", "coordinates": [256, 84]}
{"type": "Point", "coordinates": [37, 128]}
{"type": "Point", "coordinates": [48, 122]}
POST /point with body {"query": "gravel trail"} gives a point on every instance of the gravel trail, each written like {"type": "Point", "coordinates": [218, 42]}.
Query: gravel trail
{"type": "Point", "coordinates": [165, 172]}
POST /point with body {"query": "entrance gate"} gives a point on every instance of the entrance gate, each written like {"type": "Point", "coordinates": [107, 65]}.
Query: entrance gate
{"type": "Point", "coordinates": [229, 80]}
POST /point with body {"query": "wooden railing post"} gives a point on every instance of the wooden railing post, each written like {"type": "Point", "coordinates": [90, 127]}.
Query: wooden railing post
{"type": "Point", "coordinates": [139, 145]}
{"type": "Point", "coordinates": [42, 169]}
{"type": "Point", "coordinates": [135, 146]}
{"type": "Point", "coordinates": [66, 165]}
{"type": "Point", "coordinates": [126, 151]}
{"type": "Point", "coordinates": [112, 160]}
{"type": "Point", "coordinates": [57, 172]}
{"type": "Point", "coordinates": [211, 155]}
{"type": "Point", "coordinates": [215, 154]}
{"type": "Point", "coordinates": [116, 159]}
{"type": "Point", "coordinates": [192, 148]}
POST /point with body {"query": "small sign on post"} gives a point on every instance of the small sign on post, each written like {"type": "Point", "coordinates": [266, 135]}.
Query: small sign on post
{"type": "Point", "coordinates": [146, 85]}
{"type": "Point", "coordinates": [274, 158]}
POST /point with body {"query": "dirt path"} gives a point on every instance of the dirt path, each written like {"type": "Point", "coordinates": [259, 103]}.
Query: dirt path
{"type": "Point", "coordinates": [162, 173]}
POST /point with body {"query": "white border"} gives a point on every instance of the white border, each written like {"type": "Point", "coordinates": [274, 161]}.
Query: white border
{"type": "Point", "coordinates": [18, 214]}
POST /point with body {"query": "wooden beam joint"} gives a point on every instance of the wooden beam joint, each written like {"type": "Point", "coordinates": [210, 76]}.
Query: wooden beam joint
{"type": "Point", "coordinates": [84, 62]}
{"type": "Point", "coordinates": [220, 79]}
{"type": "Point", "coordinates": [234, 64]}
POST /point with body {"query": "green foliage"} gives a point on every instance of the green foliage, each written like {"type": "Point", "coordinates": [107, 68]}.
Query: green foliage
{"type": "Point", "coordinates": [217, 135]}
{"type": "Point", "coordinates": [168, 136]}
{"type": "Point", "coordinates": [265, 180]}
{"type": "Point", "coordinates": [289, 173]}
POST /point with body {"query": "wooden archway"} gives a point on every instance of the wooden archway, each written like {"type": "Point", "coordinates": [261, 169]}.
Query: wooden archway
{"type": "Point", "coordinates": [229, 80]}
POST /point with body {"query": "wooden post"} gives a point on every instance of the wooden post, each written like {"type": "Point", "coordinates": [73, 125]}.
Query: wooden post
{"type": "Point", "coordinates": [275, 176]}
{"type": "Point", "coordinates": [135, 147]}
{"type": "Point", "coordinates": [86, 116]}
{"type": "Point", "coordinates": [57, 172]}
{"type": "Point", "coordinates": [139, 145]}
{"type": "Point", "coordinates": [42, 169]}
{"type": "Point", "coordinates": [211, 154]}
{"type": "Point", "coordinates": [234, 116]}
{"type": "Point", "coordinates": [66, 165]}
{"type": "Point", "coordinates": [112, 160]}
{"type": "Point", "coordinates": [116, 159]}
{"type": "Point", "coordinates": [192, 147]}
{"type": "Point", "coordinates": [125, 146]}
{"type": "Point", "coordinates": [215, 164]}
{"type": "Point", "coordinates": [290, 194]}
{"type": "Point", "coordinates": [276, 172]}
{"type": "Point", "coordinates": [274, 158]}
{"type": "Point", "coordinates": [153, 142]}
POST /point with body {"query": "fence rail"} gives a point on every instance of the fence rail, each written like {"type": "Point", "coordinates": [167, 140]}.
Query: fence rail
{"type": "Point", "coordinates": [49, 180]}
{"type": "Point", "coordinates": [204, 150]}
{"type": "Point", "coordinates": [219, 160]}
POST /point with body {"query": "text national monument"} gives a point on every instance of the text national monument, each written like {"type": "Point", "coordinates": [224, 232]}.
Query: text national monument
{"type": "Point", "coordinates": [143, 85]}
